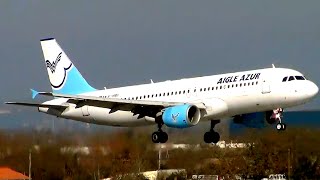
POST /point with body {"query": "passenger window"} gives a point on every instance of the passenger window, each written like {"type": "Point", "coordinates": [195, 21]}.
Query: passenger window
{"type": "Point", "coordinates": [291, 78]}
{"type": "Point", "coordinates": [200, 89]}
{"type": "Point", "coordinates": [228, 86]}
{"type": "Point", "coordinates": [212, 88]}
{"type": "Point", "coordinates": [299, 78]}
{"type": "Point", "coordinates": [284, 79]}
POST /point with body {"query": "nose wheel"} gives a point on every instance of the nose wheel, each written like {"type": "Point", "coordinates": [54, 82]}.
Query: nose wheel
{"type": "Point", "coordinates": [159, 136]}
{"type": "Point", "coordinates": [281, 126]}
{"type": "Point", "coordinates": [212, 136]}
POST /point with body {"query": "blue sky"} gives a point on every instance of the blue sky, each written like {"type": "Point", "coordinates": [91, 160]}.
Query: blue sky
{"type": "Point", "coordinates": [118, 43]}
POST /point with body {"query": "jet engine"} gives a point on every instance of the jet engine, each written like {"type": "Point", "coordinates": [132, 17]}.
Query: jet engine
{"type": "Point", "coordinates": [181, 116]}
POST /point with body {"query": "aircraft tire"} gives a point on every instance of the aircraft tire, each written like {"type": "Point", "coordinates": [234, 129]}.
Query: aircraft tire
{"type": "Point", "coordinates": [156, 137]}
{"type": "Point", "coordinates": [211, 137]}
{"type": "Point", "coordinates": [159, 137]}
{"type": "Point", "coordinates": [279, 126]}
{"type": "Point", "coordinates": [163, 137]}
{"type": "Point", "coordinates": [215, 137]}
{"type": "Point", "coordinates": [284, 126]}
{"type": "Point", "coordinates": [207, 137]}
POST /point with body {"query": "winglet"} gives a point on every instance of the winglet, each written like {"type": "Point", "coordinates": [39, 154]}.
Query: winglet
{"type": "Point", "coordinates": [34, 93]}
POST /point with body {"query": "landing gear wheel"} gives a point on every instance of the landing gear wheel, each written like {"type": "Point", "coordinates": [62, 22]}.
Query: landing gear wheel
{"type": "Point", "coordinates": [159, 137]}
{"type": "Point", "coordinates": [215, 137]}
{"type": "Point", "coordinates": [281, 126]}
{"type": "Point", "coordinates": [164, 137]}
{"type": "Point", "coordinates": [155, 137]}
{"type": "Point", "coordinates": [284, 126]}
{"type": "Point", "coordinates": [211, 137]}
{"type": "Point", "coordinates": [207, 137]}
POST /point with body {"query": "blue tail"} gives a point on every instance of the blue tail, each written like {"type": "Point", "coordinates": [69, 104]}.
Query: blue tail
{"type": "Point", "coordinates": [63, 75]}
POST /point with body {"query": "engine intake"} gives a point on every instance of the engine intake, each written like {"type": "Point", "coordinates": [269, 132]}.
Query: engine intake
{"type": "Point", "coordinates": [181, 116]}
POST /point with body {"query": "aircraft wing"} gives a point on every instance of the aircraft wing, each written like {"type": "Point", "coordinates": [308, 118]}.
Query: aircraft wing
{"type": "Point", "coordinates": [59, 107]}
{"type": "Point", "coordinates": [136, 106]}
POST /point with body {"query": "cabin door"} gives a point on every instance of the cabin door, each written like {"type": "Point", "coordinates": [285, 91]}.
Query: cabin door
{"type": "Point", "coordinates": [265, 87]}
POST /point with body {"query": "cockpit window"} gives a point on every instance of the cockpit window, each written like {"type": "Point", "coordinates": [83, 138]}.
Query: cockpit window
{"type": "Point", "coordinates": [284, 79]}
{"type": "Point", "coordinates": [291, 78]}
{"type": "Point", "coordinates": [299, 78]}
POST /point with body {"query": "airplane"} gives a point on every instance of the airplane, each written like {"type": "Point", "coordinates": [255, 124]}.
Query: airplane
{"type": "Point", "coordinates": [176, 104]}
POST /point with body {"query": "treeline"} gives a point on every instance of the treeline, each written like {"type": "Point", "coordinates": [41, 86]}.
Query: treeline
{"type": "Point", "coordinates": [69, 155]}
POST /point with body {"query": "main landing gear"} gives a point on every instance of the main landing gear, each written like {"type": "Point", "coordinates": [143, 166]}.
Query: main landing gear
{"type": "Point", "coordinates": [159, 136]}
{"type": "Point", "coordinates": [212, 136]}
{"type": "Point", "coordinates": [278, 116]}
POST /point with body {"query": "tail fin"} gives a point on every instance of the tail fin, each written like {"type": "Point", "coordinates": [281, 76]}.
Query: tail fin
{"type": "Point", "coordinates": [63, 75]}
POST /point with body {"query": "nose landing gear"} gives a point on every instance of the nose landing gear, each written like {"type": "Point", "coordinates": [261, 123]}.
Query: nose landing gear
{"type": "Point", "coordinates": [277, 114]}
{"type": "Point", "coordinates": [212, 136]}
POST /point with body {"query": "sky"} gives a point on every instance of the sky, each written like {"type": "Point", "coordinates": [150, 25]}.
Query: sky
{"type": "Point", "coordinates": [125, 42]}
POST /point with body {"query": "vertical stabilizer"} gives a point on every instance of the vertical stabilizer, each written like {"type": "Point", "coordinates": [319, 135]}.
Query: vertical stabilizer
{"type": "Point", "coordinates": [63, 75]}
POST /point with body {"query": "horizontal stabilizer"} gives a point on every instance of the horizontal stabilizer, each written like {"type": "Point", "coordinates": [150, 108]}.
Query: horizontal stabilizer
{"type": "Point", "coordinates": [60, 107]}
{"type": "Point", "coordinates": [34, 93]}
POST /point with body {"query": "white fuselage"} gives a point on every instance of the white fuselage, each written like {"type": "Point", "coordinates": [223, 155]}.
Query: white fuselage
{"type": "Point", "coordinates": [224, 96]}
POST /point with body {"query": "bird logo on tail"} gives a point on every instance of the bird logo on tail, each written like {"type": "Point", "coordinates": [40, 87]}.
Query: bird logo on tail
{"type": "Point", "coordinates": [52, 66]}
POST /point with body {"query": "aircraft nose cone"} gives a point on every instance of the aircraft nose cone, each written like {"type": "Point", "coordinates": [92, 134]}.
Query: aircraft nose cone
{"type": "Point", "coordinates": [313, 89]}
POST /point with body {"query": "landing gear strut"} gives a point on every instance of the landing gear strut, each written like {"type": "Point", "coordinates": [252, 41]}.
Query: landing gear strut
{"type": "Point", "coordinates": [212, 136]}
{"type": "Point", "coordinates": [159, 136]}
{"type": "Point", "coordinates": [278, 116]}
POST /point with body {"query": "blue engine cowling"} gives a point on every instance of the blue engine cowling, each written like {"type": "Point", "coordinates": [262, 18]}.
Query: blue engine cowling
{"type": "Point", "coordinates": [181, 116]}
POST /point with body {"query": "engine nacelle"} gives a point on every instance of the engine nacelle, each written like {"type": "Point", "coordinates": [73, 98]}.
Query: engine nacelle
{"type": "Point", "coordinates": [181, 116]}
